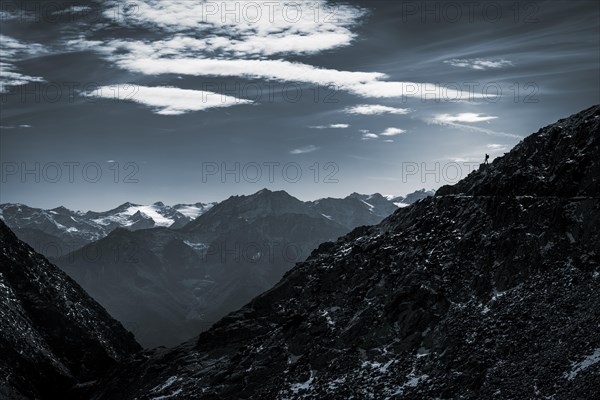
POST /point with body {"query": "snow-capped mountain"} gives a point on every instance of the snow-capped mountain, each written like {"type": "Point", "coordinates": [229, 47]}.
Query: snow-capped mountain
{"type": "Point", "coordinates": [489, 290]}
{"type": "Point", "coordinates": [167, 285]}
{"type": "Point", "coordinates": [59, 231]}
{"type": "Point", "coordinates": [411, 198]}
{"type": "Point", "coordinates": [168, 272]}
{"type": "Point", "coordinates": [355, 210]}
{"type": "Point", "coordinates": [53, 336]}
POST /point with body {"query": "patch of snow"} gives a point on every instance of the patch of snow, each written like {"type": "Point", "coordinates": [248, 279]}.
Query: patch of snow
{"type": "Point", "coordinates": [413, 381]}
{"type": "Point", "coordinates": [196, 246]}
{"type": "Point", "coordinates": [401, 205]}
{"type": "Point", "coordinates": [192, 212]}
{"type": "Point", "coordinates": [165, 385]}
{"type": "Point", "coordinates": [59, 226]}
{"type": "Point", "coordinates": [296, 387]}
{"type": "Point", "coordinates": [327, 216]}
{"type": "Point", "coordinates": [326, 314]}
{"type": "Point", "coordinates": [152, 212]}
{"type": "Point", "coordinates": [371, 207]}
{"type": "Point", "coordinates": [382, 368]}
{"type": "Point", "coordinates": [584, 364]}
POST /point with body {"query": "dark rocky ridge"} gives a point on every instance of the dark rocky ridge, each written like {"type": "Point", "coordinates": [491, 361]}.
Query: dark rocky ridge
{"type": "Point", "coordinates": [458, 296]}
{"type": "Point", "coordinates": [53, 336]}
{"type": "Point", "coordinates": [558, 160]}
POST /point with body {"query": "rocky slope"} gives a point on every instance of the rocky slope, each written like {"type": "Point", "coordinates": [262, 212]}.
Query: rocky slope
{"type": "Point", "coordinates": [477, 293]}
{"type": "Point", "coordinates": [53, 336]}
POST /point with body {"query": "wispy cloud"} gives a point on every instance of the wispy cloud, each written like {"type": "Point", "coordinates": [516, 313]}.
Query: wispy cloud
{"type": "Point", "coordinates": [261, 28]}
{"type": "Point", "coordinates": [331, 126]}
{"type": "Point", "coordinates": [387, 133]}
{"type": "Point", "coordinates": [73, 10]}
{"type": "Point", "coordinates": [15, 126]}
{"type": "Point", "coordinates": [497, 147]}
{"type": "Point", "coordinates": [392, 132]}
{"type": "Point", "coordinates": [12, 50]}
{"type": "Point", "coordinates": [369, 136]}
{"type": "Point", "coordinates": [167, 100]}
{"type": "Point", "coordinates": [201, 39]}
{"type": "Point", "coordinates": [304, 150]}
{"type": "Point", "coordinates": [364, 84]}
{"type": "Point", "coordinates": [464, 117]}
{"type": "Point", "coordinates": [472, 128]}
{"type": "Point", "coordinates": [478, 63]}
{"type": "Point", "coordinates": [375, 109]}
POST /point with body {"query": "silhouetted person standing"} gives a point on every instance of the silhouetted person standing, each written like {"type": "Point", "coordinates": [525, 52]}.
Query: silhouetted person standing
{"type": "Point", "coordinates": [487, 159]}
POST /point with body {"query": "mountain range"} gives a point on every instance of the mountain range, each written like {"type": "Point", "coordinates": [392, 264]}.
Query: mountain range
{"type": "Point", "coordinates": [489, 290]}
{"type": "Point", "coordinates": [166, 281]}
{"type": "Point", "coordinates": [59, 231]}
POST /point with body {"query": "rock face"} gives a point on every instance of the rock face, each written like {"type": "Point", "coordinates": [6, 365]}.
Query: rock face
{"type": "Point", "coordinates": [53, 336]}
{"type": "Point", "coordinates": [490, 290]}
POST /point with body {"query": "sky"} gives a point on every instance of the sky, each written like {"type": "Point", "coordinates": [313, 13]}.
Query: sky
{"type": "Point", "coordinates": [186, 101]}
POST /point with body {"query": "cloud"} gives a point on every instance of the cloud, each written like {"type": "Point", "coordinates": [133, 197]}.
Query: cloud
{"type": "Point", "coordinates": [497, 147]}
{"type": "Point", "coordinates": [464, 117]}
{"type": "Point", "coordinates": [15, 127]}
{"type": "Point", "coordinates": [304, 150]}
{"type": "Point", "coordinates": [392, 132]}
{"type": "Point", "coordinates": [167, 100]}
{"type": "Point", "coordinates": [473, 128]}
{"type": "Point", "coordinates": [365, 84]}
{"type": "Point", "coordinates": [73, 10]}
{"type": "Point", "coordinates": [249, 40]}
{"type": "Point", "coordinates": [246, 28]}
{"type": "Point", "coordinates": [375, 109]}
{"type": "Point", "coordinates": [479, 64]}
{"type": "Point", "coordinates": [369, 136]}
{"type": "Point", "coordinates": [12, 50]}
{"type": "Point", "coordinates": [9, 77]}
{"type": "Point", "coordinates": [331, 126]}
